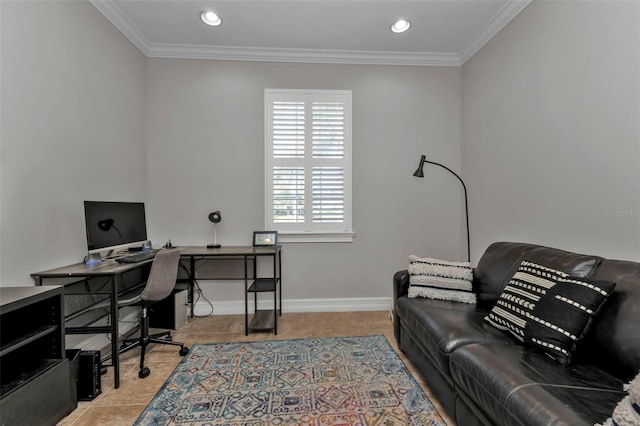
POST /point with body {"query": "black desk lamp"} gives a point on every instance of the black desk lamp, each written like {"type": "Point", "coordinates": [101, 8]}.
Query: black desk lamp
{"type": "Point", "coordinates": [105, 225]}
{"type": "Point", "coordinates": [215, 218]}
{"type": "Point", "coordinates": [420, 174]}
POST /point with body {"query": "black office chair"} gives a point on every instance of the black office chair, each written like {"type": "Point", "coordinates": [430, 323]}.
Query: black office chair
{"type": "Point", "coordinates": [160, 284]}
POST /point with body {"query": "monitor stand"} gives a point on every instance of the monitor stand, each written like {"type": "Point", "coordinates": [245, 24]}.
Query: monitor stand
{"type": "Point", "coordinates": [92, 259]}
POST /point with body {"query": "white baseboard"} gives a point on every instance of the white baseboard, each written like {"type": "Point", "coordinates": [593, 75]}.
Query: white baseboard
{"type": "Point", "coordinates": [298, 305]}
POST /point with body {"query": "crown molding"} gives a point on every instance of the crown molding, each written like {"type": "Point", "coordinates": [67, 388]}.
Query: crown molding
{"type": "Point", "coordinates": [122, 23]}
{"type": "Point", "coordinates": [182, 51]}
{"type": "Point", "coordinates": [185, 51]}
{"type": "Point", "coordinates": [491, 28]}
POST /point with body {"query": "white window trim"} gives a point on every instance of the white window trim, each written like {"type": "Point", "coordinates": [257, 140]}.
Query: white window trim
{"type": "Point", "coordinates": [315, 236]}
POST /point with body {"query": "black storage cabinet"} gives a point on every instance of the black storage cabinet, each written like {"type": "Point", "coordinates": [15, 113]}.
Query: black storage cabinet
{"type": "Point", "coordinates": [35, 378]}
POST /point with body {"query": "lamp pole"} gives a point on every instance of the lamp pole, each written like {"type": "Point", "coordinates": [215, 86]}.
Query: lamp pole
{"type": "Point", "coordinates": [419, 173]}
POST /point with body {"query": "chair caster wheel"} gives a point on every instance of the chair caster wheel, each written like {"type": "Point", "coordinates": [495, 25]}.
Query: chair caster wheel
{"type": "Point", "coordinates": [144, 373]}
{"type": "Point", "coordinates": [184, 350]}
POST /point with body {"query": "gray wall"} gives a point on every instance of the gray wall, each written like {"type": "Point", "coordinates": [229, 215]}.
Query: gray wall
{"type": "Point", "coordinates": [73, 128]}
{"type": "Point", "coordinates": [551, 139]}
{"type": "Point", "coordinates": [206, 152]}
{"type": "Point", "coordinates": [547, 122]}
{"type": "Point", "coordinates": [80, 105]}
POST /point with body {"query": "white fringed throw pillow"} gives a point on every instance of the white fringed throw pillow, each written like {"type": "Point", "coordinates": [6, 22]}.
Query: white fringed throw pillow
{"type": "Point", "coordinates": [627, 412]}
{"type": "Point", "coordinates": [440, 279]}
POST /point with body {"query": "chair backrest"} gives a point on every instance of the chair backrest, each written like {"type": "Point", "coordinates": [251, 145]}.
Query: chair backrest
{"type": "Point", "coordinates": [162, 277]}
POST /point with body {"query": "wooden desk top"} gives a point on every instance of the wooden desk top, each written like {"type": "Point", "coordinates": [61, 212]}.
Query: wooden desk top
{"type": "Point", "coordinates": [106, 267]}
{"type": "Point", "coordinates": [111, 267]}
{"type": "Point", "coordinates": [229, 251]}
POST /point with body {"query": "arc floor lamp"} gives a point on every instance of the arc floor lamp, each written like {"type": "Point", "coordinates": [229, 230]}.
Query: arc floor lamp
{"type": "Point", "coordinates": [419, 173]}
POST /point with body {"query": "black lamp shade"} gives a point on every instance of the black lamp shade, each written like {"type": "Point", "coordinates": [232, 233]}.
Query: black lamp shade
{"type": "Point", "coordinates": [419, 173]}
{"type": "Point", "coordinates": [215, 217]}
{"type": "Point", "coordinates": [105, 225]}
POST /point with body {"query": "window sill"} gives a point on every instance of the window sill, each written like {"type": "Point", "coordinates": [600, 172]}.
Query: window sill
{"type": "Point", "coordinates": [316, 237]}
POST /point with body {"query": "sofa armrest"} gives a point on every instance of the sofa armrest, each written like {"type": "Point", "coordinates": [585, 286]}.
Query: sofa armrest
{"type": "Point", "coordinates": [400, 288]}
{"type": "Point", "coordinates": [400, 284]}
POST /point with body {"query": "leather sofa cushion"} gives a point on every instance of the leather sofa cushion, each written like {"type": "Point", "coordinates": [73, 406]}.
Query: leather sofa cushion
{"type": "Point", "coordinates": [613, 342]}
{"type": "Point", "coordinates": [441, 327]}
{"type": "Point", "coordinates": [519, 386]}
{"type": "Point", "coordinates": [501, 260]}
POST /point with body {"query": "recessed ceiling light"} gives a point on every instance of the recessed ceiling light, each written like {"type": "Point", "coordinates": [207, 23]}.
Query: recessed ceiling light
{"type": "Point", "coordinates": [210, 18]}
{"type": "Point", "coordinates": [400, 26]}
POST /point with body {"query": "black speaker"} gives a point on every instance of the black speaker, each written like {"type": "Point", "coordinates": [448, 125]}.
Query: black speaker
{"type": "Point", "coordinates": [89, 382]}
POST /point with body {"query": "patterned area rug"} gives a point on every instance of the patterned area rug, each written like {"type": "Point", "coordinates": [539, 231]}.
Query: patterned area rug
{"type": "Point", "coordinates": [345, 381]}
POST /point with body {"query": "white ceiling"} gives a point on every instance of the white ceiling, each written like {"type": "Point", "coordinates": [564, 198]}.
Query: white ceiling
{"type": "Point", "coordinates": [443, 32]}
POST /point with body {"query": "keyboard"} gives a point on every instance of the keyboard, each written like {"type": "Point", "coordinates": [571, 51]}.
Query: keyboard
{"type": "Point", "coordinates": [138, 256]}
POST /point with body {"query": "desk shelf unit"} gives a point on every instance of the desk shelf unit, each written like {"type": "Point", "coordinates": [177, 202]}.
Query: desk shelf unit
{"type": "Point", "coordinates": [35, 380]}
{"type": "Point", "coordinates": [265, 319]}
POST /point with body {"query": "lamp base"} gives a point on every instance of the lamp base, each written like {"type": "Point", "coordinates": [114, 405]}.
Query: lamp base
{"type": "Point", "coordinates": [213, 246]}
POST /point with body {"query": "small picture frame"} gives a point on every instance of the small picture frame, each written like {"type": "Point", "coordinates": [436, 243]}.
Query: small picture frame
{"type": "Point", "coordinates": [265, 238]}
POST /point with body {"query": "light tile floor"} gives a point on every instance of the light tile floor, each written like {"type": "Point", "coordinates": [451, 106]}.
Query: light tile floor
{"type": "Point", "coordinates": [122, 406]}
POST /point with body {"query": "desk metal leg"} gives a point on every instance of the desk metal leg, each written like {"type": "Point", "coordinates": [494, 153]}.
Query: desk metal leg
{"type": "Point", "coordinates": [246, 298]}
{"type": "Point", "coordinates": [115, 335]}
{"type": "Point", "coordinates": [280, 278]}
{"type": "Point", "coordinates": [192, 279]}
{"type": "Point", "coordinates": [275, 297]}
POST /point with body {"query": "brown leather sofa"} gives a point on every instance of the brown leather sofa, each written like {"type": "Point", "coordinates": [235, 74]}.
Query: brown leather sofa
{"type": "Point", "coordinates": [482, 376]}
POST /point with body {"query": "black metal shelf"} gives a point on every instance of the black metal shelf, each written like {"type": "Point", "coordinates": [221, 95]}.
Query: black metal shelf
{"type": "Point", "coordinates": [261, 285]}
{"type": "Point", "coordinates": [263, 320]}
{"type": "Point", "coordinates": [19, 377]}
{"type": "Point", "coordinates": [35, 378]}
{"type": "Point", "coordinates": [26, 339]}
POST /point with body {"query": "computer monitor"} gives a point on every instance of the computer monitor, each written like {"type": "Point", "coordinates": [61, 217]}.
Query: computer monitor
{"type": "Point", "coordinates": [114, 225]}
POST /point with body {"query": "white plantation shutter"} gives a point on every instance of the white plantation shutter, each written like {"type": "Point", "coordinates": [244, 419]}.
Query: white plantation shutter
{"type": "Point", "coordinates": [288, 129]}
{"type": "Point", "coordinates": [288, 194]}
{"type": "Point", "coordinates": [328, 194]}
{"type": "Point", "coordinates": [328, 129]}
{"type": "Point", "coordinates": [308, 164]}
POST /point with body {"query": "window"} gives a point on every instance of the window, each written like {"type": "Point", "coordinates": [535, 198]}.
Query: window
{"type": "Point", "coordinates": [308, 164]}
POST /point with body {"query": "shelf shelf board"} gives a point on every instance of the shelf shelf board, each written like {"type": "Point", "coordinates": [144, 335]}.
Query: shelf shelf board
{"type": "Point", "coordinates": [26, 339]}
{"type": "Point", "coordinates": [263, 285]}
{"type": "Point", "coordinates": [263, 319]}
{"type": "Point", "coordinates": [14, 382]}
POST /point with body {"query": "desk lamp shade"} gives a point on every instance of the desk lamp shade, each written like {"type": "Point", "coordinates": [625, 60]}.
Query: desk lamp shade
{"type": "Point", "coordinates": [215, 217]}
{"type": "Point", "coordinates": [419, 173]}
